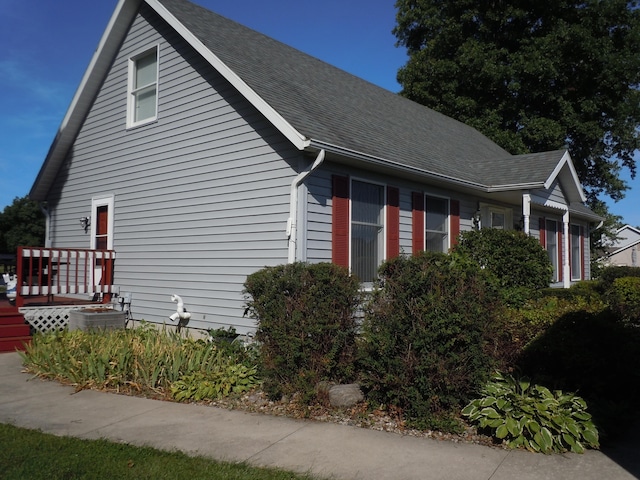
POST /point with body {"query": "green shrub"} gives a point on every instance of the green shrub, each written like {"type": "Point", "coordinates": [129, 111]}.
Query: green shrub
{"type": "Point", "coordinates": [595, 355]}
{"type": "Point", "coordinates": [530, 416]}
{"type": "Point", "coordinates": [424, 336]}
{"type": "Point", "coordinates": [517, 262]}
{"type": "Point", "coordinates": [608, 275]}
{"type": "Point", "coordinates": [306, 325]}
{"type": "Point", "coordinates": [624, 299]}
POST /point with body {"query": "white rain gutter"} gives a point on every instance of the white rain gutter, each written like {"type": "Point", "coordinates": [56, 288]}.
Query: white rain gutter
{"type": "Point", "coordinates": [292, 228]}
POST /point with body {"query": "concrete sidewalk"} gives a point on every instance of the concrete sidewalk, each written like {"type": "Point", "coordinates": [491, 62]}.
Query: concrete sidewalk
{"type": "Point", "coordinates": [323, 449]}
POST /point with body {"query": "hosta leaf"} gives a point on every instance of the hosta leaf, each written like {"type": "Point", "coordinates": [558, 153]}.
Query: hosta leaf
{"type": "Point", "coordinates": [490, 412]}
{"type": "Point", "coordinates": [487, 401]}
{"type": "Point", "coordinates": [591, 437]}
{"type": "Point", "coordinates": [569, 439]}
{"type": "Point", "coordinates": [469, 409]}
{"type": "Point", "coordinates": [513, 426]}
{"type": "Point", "coordinates": [502, 431]}
{"type": "Point", "coordinates": [577, 447]}
{"type": "Point", "coordinates": [547, 438]}
{"type": "Point", "coordinates": [573, 429]}
{"type": "Point", "coordinates": [495, 422]}
{"type": "Point", "coordinates": [533, 426]}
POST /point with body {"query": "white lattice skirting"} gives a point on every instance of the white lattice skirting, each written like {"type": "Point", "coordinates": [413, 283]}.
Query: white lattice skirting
{"type": "Point", "coordinates": [48, 319]}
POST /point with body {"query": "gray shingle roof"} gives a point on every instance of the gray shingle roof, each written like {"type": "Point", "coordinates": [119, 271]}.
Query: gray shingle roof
{"type": "Point", "coordinates": [332, 106]}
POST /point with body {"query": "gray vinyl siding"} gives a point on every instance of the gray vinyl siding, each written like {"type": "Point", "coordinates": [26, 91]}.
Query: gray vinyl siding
{"type": "Point", "coordinates": [201, 196]}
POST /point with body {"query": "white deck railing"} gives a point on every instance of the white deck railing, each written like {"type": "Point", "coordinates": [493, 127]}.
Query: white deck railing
{"type": "Point", "coordinates": [64, 271]}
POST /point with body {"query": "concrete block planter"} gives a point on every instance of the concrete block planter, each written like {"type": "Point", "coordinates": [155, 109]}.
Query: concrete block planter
{"type": "Point", "coordinates": [96, 318]}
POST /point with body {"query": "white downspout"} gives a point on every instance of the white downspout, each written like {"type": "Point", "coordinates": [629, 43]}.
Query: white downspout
{"type": "Point", "coordinates": [47, 225]}
{"type": "Point", "coordinates": [292, 228]}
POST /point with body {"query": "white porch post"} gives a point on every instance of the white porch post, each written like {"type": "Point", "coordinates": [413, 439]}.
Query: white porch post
{"type": "Point", "coordinates": [526, 212]}
{"type": "Point", "coordinates": [566, 269]}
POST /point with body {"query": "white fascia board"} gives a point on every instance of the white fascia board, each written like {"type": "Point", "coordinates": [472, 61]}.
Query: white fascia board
{"type": "Point", "coordinates": [295, 137]}
{"type": "Point", "coordinates": [628, 227]}
{"type": "Point", "coordinates": [85, 93]}
{"type": "Point", "coordinates": [566, 161]}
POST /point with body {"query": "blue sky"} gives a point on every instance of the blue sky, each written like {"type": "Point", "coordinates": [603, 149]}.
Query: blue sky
{"type": "Point", "coordinates": [47, 45]}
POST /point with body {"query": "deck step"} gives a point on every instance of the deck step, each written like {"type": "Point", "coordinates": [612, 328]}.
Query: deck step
{"type": "Point", "coordinates": [14, 331]}
{"type": "Point", "coordinates": [13, 344]}
{"type": "Point", "coordinates": [11, 319]}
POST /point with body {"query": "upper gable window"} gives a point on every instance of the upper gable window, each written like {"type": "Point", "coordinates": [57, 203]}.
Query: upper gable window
{"type": "Point", "coordinates": [142, 101]}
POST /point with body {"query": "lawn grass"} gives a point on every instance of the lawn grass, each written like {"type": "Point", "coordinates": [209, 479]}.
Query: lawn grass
{"type": "Point", "coordinates": [30, 454]}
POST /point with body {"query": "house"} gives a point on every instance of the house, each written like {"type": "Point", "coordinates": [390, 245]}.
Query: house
{"type": "Point", "coordinates": [623, 251]}
{"type": "Point", "coordinates": [201, 151]}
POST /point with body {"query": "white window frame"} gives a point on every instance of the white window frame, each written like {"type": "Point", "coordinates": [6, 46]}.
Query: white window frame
{"type": "Point", "coordinates": [383, 233]}
{"type": "Point", "coordinates": [132, 90]}
{"type": "Point", "coordinates": [580, 250]}
{"type": "Point", "coordinates": [556, 262]}
{"type": "Point", "coordinates": [108, 201]}
{"type": "Point", "coordinates": [448, 232]}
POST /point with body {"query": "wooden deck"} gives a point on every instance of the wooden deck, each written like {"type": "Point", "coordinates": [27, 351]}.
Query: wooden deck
{"type": "Point", "coordinates": [44, 301]}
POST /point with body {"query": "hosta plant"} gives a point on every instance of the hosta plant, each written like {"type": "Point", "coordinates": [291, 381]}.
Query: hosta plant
{"type": "Point", "coordinates": [523, 414]}
{"type": "Point", "coordinates": [228, 380]}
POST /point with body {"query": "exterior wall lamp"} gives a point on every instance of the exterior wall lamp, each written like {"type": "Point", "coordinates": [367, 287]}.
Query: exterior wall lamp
{"type": "Point", "coordinates": [477, 220]}
{"type": "Point", "coordinates": [84, 223]}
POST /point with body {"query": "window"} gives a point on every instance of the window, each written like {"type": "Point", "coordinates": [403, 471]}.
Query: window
{"type": "Point", "coordinates": [436, 223]}
{"type": "Point", "coordinates": [497, 220]}
{"type": "Point", "coordinates": [552, 245]}
{"type": "Point", "coordinates": [142, 102]}
{"type": "Point", "coordinates": [367, 229]}
{"type": "Point", "coordinates": [576, 252]}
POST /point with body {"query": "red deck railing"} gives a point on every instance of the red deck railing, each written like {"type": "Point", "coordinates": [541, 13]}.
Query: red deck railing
{"type": "Point", "coordinates": [64, 271]}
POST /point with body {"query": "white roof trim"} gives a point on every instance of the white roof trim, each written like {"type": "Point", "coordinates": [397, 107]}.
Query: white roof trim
{"type": "Point", "coordinates": [566, 161]}
{"type": "Point", "coordinates": [628, 227]}
{"type": "Point", "coordinates": [295, 137]}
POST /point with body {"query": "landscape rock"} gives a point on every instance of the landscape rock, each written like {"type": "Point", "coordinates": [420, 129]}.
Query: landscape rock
{"type": "Point", "coordinates": [345, 395]}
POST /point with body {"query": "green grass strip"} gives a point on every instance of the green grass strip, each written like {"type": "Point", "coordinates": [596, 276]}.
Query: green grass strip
{"type": "Point", "coordinates": [35, 455]}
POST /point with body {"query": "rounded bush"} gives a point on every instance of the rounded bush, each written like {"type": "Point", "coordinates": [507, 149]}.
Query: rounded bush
{"type": "Point", "coordinates": [517, 262]}
{"type": "Point", "coordinates": [424, 336]}
{"type": "Point", "coordinates": [624, 299]}
{"type": "Point", "coordinates": [306, 325]}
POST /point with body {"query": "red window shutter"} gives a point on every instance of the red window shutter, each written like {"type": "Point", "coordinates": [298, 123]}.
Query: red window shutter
{"type": "Point", "coordinates": [560, 250]}
{"type": "Point", "coordinates": [454, 220]}
{"type": "Point", "coordinates": [393, 222]}
{"type": "Point", "coordinates": [543, 232]}
{"type": "Point", "coordinates": [417, 220]}
{"type": "Point", "coordinates": [340, 221]}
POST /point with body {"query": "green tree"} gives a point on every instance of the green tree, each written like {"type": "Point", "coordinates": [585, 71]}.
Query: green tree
{"type": "Point", "coordinates": [21, 224]}
{"type": "Point", "coordinates": [533, 75]}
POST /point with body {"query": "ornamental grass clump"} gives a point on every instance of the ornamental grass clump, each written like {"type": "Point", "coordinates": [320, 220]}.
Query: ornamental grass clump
{"type": "Point", "coordinates": [526, 415]}
{"type": "Point", "coordinates": [143, 360]}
